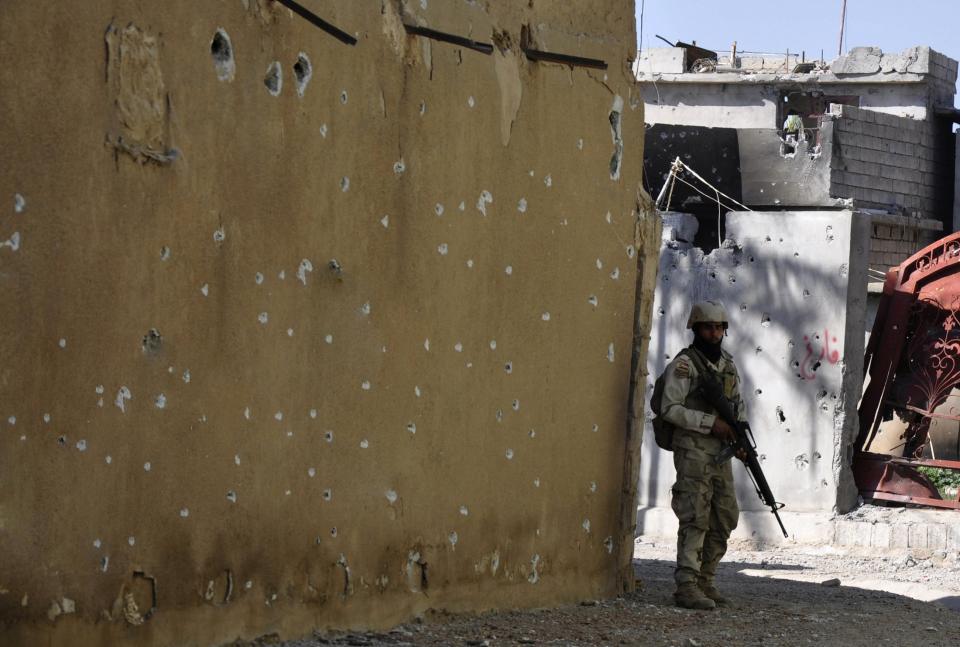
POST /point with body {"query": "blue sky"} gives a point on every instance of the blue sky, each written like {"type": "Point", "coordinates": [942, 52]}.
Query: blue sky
{"type": "Point", "coordinates": [810, 25]}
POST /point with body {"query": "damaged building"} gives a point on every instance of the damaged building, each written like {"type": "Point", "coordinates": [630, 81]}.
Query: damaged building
{"type": "Point", "coordinates": [807, 181]}
{"type": "Point", "coordinates": [317, 315]}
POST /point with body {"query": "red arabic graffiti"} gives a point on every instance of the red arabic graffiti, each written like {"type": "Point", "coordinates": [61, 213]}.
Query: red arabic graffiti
{"type": "Point", "coordinates": [813, 360]}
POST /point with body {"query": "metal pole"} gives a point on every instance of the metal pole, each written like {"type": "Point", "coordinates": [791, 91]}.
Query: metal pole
{"type": "Point", "coordinates": [843, 22]}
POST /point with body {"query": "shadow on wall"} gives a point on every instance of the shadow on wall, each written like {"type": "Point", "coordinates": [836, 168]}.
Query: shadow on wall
{"type": "Point", "coordinates": [796, 310]}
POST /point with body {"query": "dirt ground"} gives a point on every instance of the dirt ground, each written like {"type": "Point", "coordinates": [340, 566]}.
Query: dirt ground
{"type": "Point", "coordinates": [787, 596]}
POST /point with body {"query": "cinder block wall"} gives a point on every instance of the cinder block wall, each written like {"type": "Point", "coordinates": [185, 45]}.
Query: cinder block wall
{"type": "Point", "coordinates": [893, 239]}
{"type": "Point", "coordinates": [298, 334]}
{"type": "Point", "coordinates": [888, 162]}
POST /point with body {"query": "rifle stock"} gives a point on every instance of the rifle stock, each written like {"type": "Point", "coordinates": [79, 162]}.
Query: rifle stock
{"type": "Point", "coordinates": [712, 392]}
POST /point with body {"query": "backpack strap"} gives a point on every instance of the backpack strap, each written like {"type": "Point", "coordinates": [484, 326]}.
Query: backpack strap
{"type": "Point", "coordinates": [699, 361]}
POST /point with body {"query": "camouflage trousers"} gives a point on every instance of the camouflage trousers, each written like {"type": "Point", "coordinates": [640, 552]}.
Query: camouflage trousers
{"type": "Point", "coordinates": [705, 503]}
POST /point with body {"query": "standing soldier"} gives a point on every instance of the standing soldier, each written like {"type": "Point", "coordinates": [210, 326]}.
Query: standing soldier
{"type": "Point", "coordinates": [704, 499]}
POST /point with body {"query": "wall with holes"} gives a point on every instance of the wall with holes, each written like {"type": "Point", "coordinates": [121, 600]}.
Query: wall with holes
{"type": "Point", "coordinates": [301, 334]}
{"type": "Point", "coordinates": [794, 285]}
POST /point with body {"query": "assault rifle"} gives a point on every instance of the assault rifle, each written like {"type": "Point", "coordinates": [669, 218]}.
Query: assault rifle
{"type": "Point", "coordinates": [712, 392]}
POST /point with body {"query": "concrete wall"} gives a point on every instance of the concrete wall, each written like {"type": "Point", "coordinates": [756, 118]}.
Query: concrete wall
{"type": "Point", "coordinates": [889, 162]}
{"type": "Point", "coordinates": [714, 101]}
{"type": "Point", "coordinates": [311, 354]}
{"type": "Point", "coordinates": [774, 175]}
{"type": "Point", "coordinates": [794, 284]}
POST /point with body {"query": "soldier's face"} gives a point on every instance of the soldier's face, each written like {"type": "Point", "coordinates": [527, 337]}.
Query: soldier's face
{"type": "Point", "coordinates": [711, 331]}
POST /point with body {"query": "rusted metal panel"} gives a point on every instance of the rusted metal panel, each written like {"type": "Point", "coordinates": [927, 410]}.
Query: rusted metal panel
{"type": "Point", "coordinates": [913, 360]}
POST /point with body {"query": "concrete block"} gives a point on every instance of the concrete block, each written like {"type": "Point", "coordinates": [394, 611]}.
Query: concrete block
{"type": "Point", "coordinates": [661, 60]}
{"type": "Point", "coordinates": [937, 536]}
{"type": "Point", "coordinates": [880, 535]}
{"type": "Point", "coordinates": [918, 536]}
{"type": "Point", "coordinates": [899, 533]}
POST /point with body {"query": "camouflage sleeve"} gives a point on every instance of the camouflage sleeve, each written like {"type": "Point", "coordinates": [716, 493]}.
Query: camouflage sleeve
{"type": "Point", "coordinates": [678, 377]}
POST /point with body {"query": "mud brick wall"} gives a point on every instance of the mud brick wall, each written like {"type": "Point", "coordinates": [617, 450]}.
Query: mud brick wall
{"type": "Point", "coordinates": [299, 334]}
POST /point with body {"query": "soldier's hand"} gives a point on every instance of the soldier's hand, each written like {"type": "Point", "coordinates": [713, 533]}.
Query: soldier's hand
{"type": "Point", "coordinates": [723, 431]}
{"type": "Point", "coordinates": [742, 455]}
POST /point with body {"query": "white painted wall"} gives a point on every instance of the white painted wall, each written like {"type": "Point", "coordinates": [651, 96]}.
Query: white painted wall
{"type": "Point", "coordinates": [794, 284]}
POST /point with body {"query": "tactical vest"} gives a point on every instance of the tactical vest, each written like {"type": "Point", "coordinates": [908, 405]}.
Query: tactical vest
{"type": "Point", "coordinates": [728, 377]}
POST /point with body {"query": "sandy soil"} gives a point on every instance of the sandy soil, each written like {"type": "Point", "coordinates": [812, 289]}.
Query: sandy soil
{"type": "Point", "coordinates": [785, 596]}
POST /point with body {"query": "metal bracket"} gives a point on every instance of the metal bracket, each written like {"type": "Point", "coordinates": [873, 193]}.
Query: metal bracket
{"type": "Point", "coordinates": [426, 32]}
{"type": "Point", "coordinates": [317, 21]}
{"type": "Point", "coordinates": [566, 59]}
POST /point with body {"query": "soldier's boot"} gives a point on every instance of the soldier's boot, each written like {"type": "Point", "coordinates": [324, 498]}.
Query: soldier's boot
{"type": "Point", "coordinates": [709, 590]}
{"type": "Point", "coordinates": [689, 596]}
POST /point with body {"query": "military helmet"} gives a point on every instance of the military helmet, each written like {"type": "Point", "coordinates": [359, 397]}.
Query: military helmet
{"type": "Point", "coordinates": [707, 312]}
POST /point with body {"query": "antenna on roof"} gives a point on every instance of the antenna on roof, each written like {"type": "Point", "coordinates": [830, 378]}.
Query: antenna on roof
{"type": "Point", "coordinates": [843, 24]}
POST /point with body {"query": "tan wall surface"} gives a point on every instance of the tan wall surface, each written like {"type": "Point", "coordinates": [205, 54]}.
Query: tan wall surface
{"type": "Point", "coordinates": [282, 485]}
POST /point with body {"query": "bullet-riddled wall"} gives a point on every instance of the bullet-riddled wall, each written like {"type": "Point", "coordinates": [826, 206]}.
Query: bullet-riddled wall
{"type": "Point", "coordinates": [301, 334]}
{"type": "Point", "coordinates": [794, 286]}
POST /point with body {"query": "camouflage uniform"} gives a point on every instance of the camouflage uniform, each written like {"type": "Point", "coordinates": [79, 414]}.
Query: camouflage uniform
{"type": "Point", "coordinates": [704, 499]}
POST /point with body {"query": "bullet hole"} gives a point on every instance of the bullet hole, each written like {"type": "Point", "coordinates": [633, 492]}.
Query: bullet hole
{"type": "Point", "coordinates": [62, 441]}
{"type": "Point", "coordinates": [592, 300]}
{"type": "Point", "coordinates": [46, 418]}
{"type": "Point", "coordinates": [104, 563]}
{"type": "Point", "coordinates": [160, 401]}
{"type": "Point", "coordinates": [600, 264]}
{"type": "Point", "coordinates": [790, 344]}
{"type": "Point", "coordinates": [548, 181]}
{"type": "Point", "coordinates": [323, 130]}
{"type": "Point", "coordinates": [516, 405]}
{"type": "Point", "coordinates": [19, 203]}
{"type": "Point", "coordinates": [152, 341]}
{"type": "Point", "coordinates": [509, 454]}
{"type": "Point", "coordinates": [806, 294]}
{"type": "Point", "coordinates": [795, 364]}
{"type": "Point", "coordinates": [205, 289]}
{"type": "Point", "coordinates": [385, 221]}
{"type": "Point", "coordinates": [305, 267]}
{"type": "Point", "coordinates": [412, 427]}
{"type": "Point", "coordinates": [586, 526]}
{"type": "Point", "coordinates": [485, 198]}
{"type": "Point", "coordinates": [344, 184]}
{"type": "Point", "coordinates": [815, 366]}
{"type": "Point", "coordinates": [164, 253]}
{"type": "Point", "coordinates": [595, 428]}
{"type": "Point", "coordinates": [231, 496]}
{"type": "Point", "coordinates": [263, 318]}
{"type": "Point", "coordinates": [843, 270]}
{"type": "Point", "coordinates": [743, 307]}
{"type": "Point", "coordinates": [108, 459]}
{"type": "Point", "coordinates": [801, 462]}
{"type": "Point", "coordinates": [364, 444]}
{"type": "Point", "coordinates": [147, 466]}
{"type": "Point", "coordinates": [617, 135]}
{"type": "Point", "coordinates": [830, 236]}
{"type": "Point", "coordinates": [545, 316]}
{"type": "Point", "coordinates": [782, 418]}
{"type": "Point", "coordinates": [438, 209]}
{"type": "Point", "coordinates": [219, 235]}
{"type": "Point", "coordinates": [416, 391]}
{"type": "Point", "coordinates": [274, 79]}
{"type": "Point", "coordinates": [821, 394]}
{"type": "Point", "coordinates": [471, 102]}
{"type": "Point", "coordinates": [278, 416]}
{"type": "Point", "coordinates": [610, 353]}
{"type": "Point", "coordinates": [221, 51]}
{"type": "Point", "coordinates": [62, 343]}
{"type": "Point", "coordinates": [442, 249]}
{"type": "Point", "coordinates": [752, 259]}
{"type": "Point", "coordinates": [817, 455]}
{"type": "Point", "coordinates": [508, 270]}
{"type": "Point", "coordinates": [508, 367]}
{"type": "Point", "coordinates": [82, 445]}
{"type": "Point", "coordinates": [759, 391]}
{"type": "Point", "coordinates": [343, 97]}
{"type": "Point", "coordinates": [732, 279]}
{"type": "Point", "coordinates": [499, 415]}
{"type": "Point", "coordinates": [765, 320]}
{"type": "Point", "coordinates": [763, 457]}
{"type": "Point", "coordinates": [391, 496]}
{"type": "Point", "coordinates": [327, 494]}
{"type": "Point", "coordinates": [302, 71]}
{"type": "Point", "coordinates": [399, 167]}
{"type": "Point", "coordinates": [533, 433]}
{"type": "Point", "coordinates": [615, 274]}
{"type": "Point", "coordinates": [522, 205]}
{"type": "Point", "coordinates": [122, 396]}
{"type": "Point", "coordinates": [328, 436]}
{"type": "Point", "coordinates": [311, 472]}
{"type": "Point", "coordinates": [333, 531]}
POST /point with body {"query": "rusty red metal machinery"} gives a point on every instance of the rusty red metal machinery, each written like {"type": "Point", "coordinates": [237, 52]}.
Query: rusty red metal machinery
{"type": "Point", "coordinates": [913, 364]}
